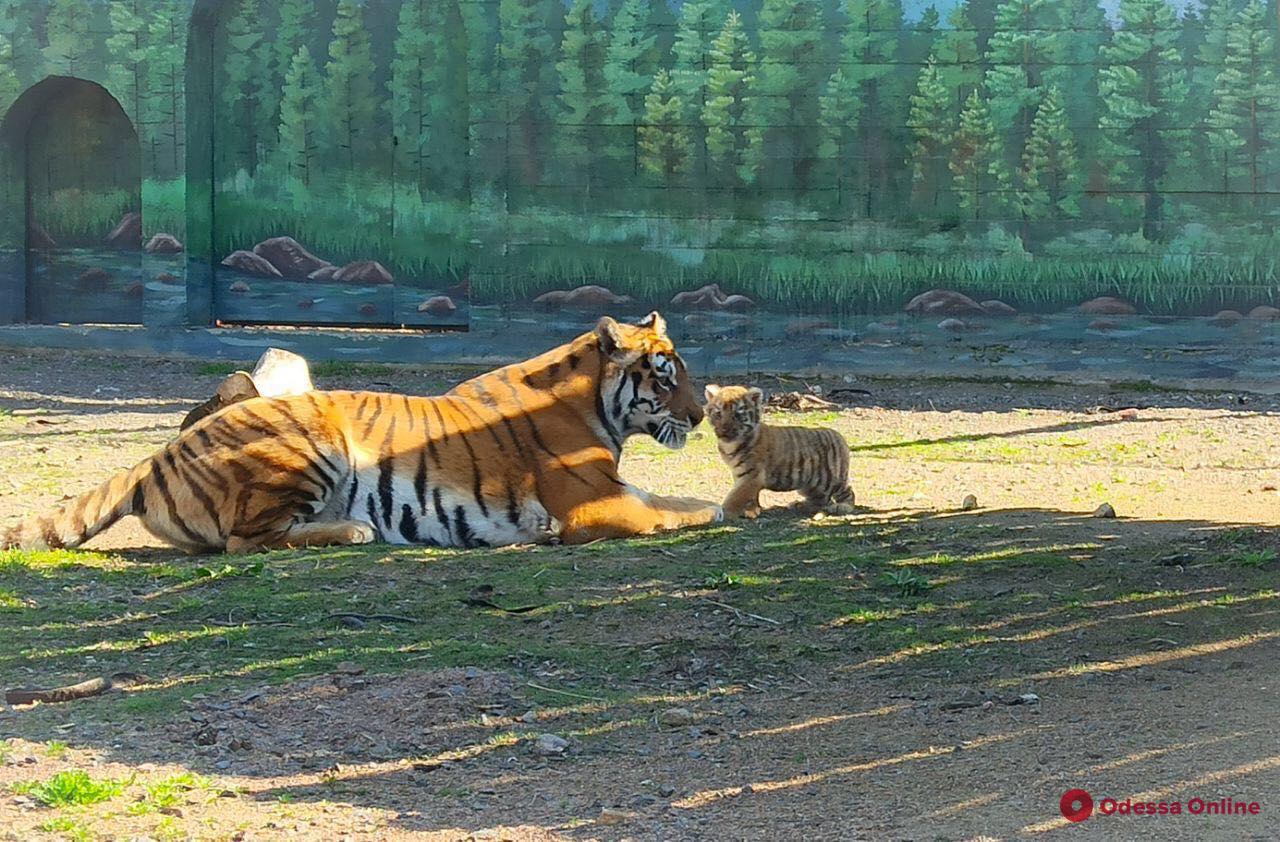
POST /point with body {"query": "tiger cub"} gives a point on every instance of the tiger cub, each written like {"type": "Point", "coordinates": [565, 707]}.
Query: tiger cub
{"type": "Point", "coordinates": [814, 462]}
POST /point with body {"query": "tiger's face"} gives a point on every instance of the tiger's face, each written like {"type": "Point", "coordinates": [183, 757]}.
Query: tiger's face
{"type": "Point", "coordinates": [646, 388]}
{"type": "Point", "coordinates": [734, 411]}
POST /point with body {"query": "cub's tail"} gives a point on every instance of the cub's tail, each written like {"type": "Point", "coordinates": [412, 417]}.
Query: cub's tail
{"type": "Point", "coordinates": [78, 520]}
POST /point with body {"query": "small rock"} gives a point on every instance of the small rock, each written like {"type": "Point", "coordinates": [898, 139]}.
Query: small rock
{"type": "Point", "coordinates": [550, 745]}
{"type": "Point", "coordinates": [363, 272]}
{"type": "Point", "coordinates": [223, 764]}
{"type": "Point", "coordinates": [1225, 318]}
{"type": "Point", "coordinates": [676, 717]}
{"type": "Point", "coordinates": [324, 273]}
{"type": "Point", "coordinates": [163, 244]}
{"type": "Point", "coordinates": [969, 503]}
{"type": "Point", "coordinates": [368, 309]}
{"type": "Point", "coordinates": [471, 673]}
{"type": "Point", "coordinates": [351, 622]}
{"type": "Point", "coordinates": [1127, 414]}
{"type": "Point", "coordinates": [996, 307]}
{"type": "Point", "coordinates": [611, 815]}
{"type": "Point", "coordinates": [349, 667]}
{"type": "Point", "coordinates": [587, 297]}
{"type": "Point", "coordinates": [250, 263]}
{"type": "Point", "coordinates": [1103, 325]}
{"type": "Point", "coordinates": [952, 325]}
{"type": "Point", "coordinates": [1265, 312]}
{"type": "Point", "coordinates": [93, 278]}
{"type": "Point", "coordinates": [1105, 510]}
{"type": "Point", "coordinates": [529, 716]}
{"type": "Point", "coordinates": [666, 790]}
{"type": "Point", "coordinates": [128, 232]}
{"type": "Point", "coordinates": [289, 257]}
{"type": "Point", "coordinates": [239, 287]}
{"type": "Point", "coordinates": [134, 290]}
{"type": "Point", "coordinates": [306, 304]}
{"type": "Point", "coordinates": [944, 302]}
{"type": "Point", "coordinates": [1029, 699]}
{"type": "Point", "coordinates": [1107, 305]}
{"type": "Point", "coordinates": [168, 278]}
{"type": "Point", "coordinates": [438, 305]}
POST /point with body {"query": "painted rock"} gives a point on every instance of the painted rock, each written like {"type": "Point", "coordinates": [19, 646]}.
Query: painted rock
{"type": "Point", "coordinates": [1225, 318]}
{"type": "Point", "coordinates": [363, 272]}
{"type": "Point", "coordinates": [250, 263]}
{"type": "Point", "coordinates": [163, 244]}
{"type": "Point", "coordinates": [306, 304]}
{"type": "Point", "coordinates": [134, 290]}
{"type": "Point", "coordinates": [93, 278]}
{"type": "Point", "coordinates": [944, 302]}
{"type": "Point", "coordinates": [239, 287]}
{"type": "Point", "coordinates": [587, 296]}
{"type": "Point", "coordinates": [1103, 325]}
{"type": "Point", "coordinates": [438, 305]}
{"type": "Point", "coordinates": [367, 309]}
{"type": "Point", "coordinates": [324, 273]}
{"type": "Point", "coordinates": [1265, 311]}
{"type": "Point", "coordinates": [289, 257]}
{"type": "Point", "coordinates": [996, 307]}
{"type": "Point", "coordinates": [168, 278]}
{"type": "Point", "coordinates": [127, 234]}
{"type": "Point", "coordinates": [1107, 305]}
{"type": "Point", "coordinates": [952, 325]}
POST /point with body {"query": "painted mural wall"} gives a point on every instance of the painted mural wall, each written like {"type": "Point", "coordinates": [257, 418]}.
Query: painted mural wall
{"type": "Point", "coordinates": [419, 162]}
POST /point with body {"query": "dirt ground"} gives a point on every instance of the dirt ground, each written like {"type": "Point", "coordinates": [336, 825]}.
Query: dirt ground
{"type": "Point", "coordinates": [1133, 657]}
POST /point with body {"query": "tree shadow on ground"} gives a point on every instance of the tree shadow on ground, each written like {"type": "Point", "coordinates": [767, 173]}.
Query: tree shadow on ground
{"type": "Point", "coordinates": [867, 672]}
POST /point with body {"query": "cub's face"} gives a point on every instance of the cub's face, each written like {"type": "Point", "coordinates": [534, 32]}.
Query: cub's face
{"type": "Point", "coordinates": [734, 411]}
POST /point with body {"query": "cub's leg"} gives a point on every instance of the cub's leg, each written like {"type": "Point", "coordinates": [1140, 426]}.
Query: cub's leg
{"type": "Point", "coordinates": [743, 499]}
{"type": "Point", "coordinates": [841, 502]}
{"type": "Point", "coordinates": [319, 534]}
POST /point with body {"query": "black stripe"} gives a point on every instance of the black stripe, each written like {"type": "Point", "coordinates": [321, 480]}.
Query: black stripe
{"type": "Point", "coordinates": [443, 432]}
{"type": "Point", "coordinates": [465, 534]}
{"type": "Point", "coordinates": [537, 439]}
{"type": "Point", "coordinates": [360, 407]}
{"type": "Point", "coordinates": [600, 413]}
{"type": "Point", "coordinates": [513, 511]}
{"type": "Point", "coordinates": [573, 362]}
{"type": "Point", "coordinates": [351, 496]}
{"type": "Point", "coordinates": [373, 513]}
{"type": "Point", "coordinates": [197, 491]}
{"type": "Point", "coordinates": [386, 467]}
{"type": "Point", "coordinates": [163, 487]}
{"type": "Point", "coordinates": [408, 524]}
{"type": "Point", "coordinates": [373, 419]}
{"type": "Point", "coordinates": [206, 473]}
{"type": "Point", "coordinates": [139, 503]}
{"type": "Point", "coordinates": [617, 397]}
{"type": "Point", "coordinates": [420, 481]}
{"type": "Point", "coordinates": [440, 514]}
{"type": "Point", "coordinates": [475, 464]}
{"type": "Point", "coordinates": [408, 411]}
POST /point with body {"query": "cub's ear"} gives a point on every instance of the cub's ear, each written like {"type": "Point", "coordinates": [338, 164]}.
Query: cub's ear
{"type": "Point", "coordinates": [609, 332]}
{"type": "Point", "coordinates": [711, 391]}
{"type": "Point", "coordinates": [756, 395]}
{"type": "Point", "coordinates": [654, 322]}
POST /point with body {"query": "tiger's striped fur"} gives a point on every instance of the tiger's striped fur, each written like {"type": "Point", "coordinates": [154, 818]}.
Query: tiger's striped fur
{"type": "Point", "coordinates": [520, 454]}
{"type": "Point", "coordinates": [814, 462]}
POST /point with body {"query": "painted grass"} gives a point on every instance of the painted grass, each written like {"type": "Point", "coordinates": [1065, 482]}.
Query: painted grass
{"type": "Point", "coordinates": [790, 262]}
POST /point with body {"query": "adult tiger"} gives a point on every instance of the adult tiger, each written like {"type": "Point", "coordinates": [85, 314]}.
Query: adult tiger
{"type": "Point", "coordinates": [519, 454]}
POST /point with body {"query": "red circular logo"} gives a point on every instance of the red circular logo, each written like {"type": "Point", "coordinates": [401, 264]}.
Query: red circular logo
{"type": "Point", "coordinates": [1076, 805]}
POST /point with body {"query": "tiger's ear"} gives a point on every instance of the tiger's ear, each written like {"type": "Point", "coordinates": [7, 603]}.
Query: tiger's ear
{"type": "Point", "coordinates": [711, 391]}
{"type": "Point", "coordinates": [654, 322]}
{"type": "Point", "coordinates": [756, 395]}
{"type": "Point", "coordinates": [609, 332]}
{"type": "Point", "coordinates": [238, 386]}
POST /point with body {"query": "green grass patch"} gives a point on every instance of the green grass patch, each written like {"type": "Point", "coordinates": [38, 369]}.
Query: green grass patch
{"type": "Point", "coordinates": [72, 788]}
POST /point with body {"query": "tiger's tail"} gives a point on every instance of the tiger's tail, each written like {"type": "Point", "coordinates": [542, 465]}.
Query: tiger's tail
{"type": "Point", "coordinates": [79, 519]}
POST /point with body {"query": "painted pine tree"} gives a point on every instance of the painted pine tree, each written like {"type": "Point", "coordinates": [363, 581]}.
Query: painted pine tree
{"type": "Point", "coordinates": [700, 23]}
{"type": "Point", "coordinates": [631, 60]}
{"type": "Point", "coordinates": [295, 29]}
{"type": "Point", "coordinates": [1246, 109]}
{"type": "Point", "coordinates": [486, 123]}
{"type": "Point", "coordinates": [165, 126]}
{"type": "Point", "coordinates": [240, 89]}
{"type": "Point", "coordinates": [959, 62]}
{"type": "Point", "coordinates": [933, 127]}
{"type": "Point", "coordinates": [1025, 48]}
{"type": "Point", "coordinates": [349, 104]}
{"type": "Point", "coordinates": [665, 146]}
{"type": "Point", "coordinates": [1049, 178]}
{"type": "Point", "coordinates": [730, 79]}
{"type": "Point", "coordinates": [428, 101]}
{"type": "Point", "coordinates": [977, 162]}
{"type": "Point", "coordinates": [785, 110]}
{"type": "Point", "coordinates": [583, 97]}
{"type": "Point", "coordinates": [1143, 88]}
{"type": "Point", "coordinates": [67, 36]}
{"type": "Point", "coordinates": [864, 102]}
{"type": "Point", "coordinates": [526, 58]}
{"type": "Point", "coordinates": [127, 48]}
{"type": "Point", "coordinates": [299, 117]}
{"type": "Point", "coordinates": [21, 59]}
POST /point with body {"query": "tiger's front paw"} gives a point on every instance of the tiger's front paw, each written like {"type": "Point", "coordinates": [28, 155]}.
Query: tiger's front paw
{"type": "Point", "coordinates": [359, 532]}
{"type": "Point", "coordinates": [717, 514]}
